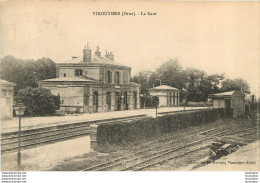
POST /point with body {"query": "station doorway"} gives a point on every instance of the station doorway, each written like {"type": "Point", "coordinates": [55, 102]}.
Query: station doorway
{"type": "Point", "coordinates": [95, 101]}
{"type": "Point", "coordinates": [118, 101]}
{"type": "Point", "coordinates": [125, 101]}
{"type": "Point", "coordinates": [109, 101]}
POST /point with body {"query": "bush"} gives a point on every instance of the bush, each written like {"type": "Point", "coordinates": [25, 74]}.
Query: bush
{"type": "Point", "coordinates": [38, 101]}
{"type": "Point", "coordinates": [196, 104]}
{"type": "Point", "coordinates": [147, 101]}
{"type": "Point", "coordinates": [123, 133]}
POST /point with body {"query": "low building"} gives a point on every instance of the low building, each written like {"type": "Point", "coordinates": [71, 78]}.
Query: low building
{"type": "Point", "coordinates": [229, 100]}
{"type": "Point", "coordinates": [93, 83]}
{"type": "Point", "coordinates": [7, 93]}
{"type": "Point", "coordinates": [168, 96]}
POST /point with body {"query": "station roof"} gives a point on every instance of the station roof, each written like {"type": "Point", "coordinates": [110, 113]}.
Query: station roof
{"type": "Point", "coordinates": [4, 82]}
{"type": "Point", "coordinates": [69, 79]}
{"type": "Point", "coordinates": [164, 87]}
{"type": "Point", "coordinates": [227, 94]}
{"type": "Point", "coordinates": [98, 60]}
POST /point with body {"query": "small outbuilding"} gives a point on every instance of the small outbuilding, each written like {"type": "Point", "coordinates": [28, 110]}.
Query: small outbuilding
{"type": "Point", "coordinates": [229, 100]}
{"type": "Point", "coordinates": [168, 96]}
{"type": "Point", "coordinates": [7, 90]}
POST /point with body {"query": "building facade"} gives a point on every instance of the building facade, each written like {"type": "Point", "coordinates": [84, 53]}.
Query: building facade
{"type": "Point", "coordinates": [93, 83]}
{"type": "Point", "coordinates": [7, 93]}
{"type": "Point", "coordinates": [229, 100]}
{"type": "Point", "coordinates": [168, 96]}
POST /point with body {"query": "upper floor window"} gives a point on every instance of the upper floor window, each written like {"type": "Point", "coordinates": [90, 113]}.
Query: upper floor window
{"type": "Point", "coordinates": [64, 75]}
{"type": "Point", "coordinates": [117, 78]}
{"type": "Point", "coordinates": [78, 72]}
{"type": "Point", "coordinates": [109, 77]}
{"type": "Point", "coordinates": [125, 78]}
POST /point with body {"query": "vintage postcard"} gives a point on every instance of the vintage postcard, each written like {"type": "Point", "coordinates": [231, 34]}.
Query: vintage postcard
{"type": "Point", "coordinates": [129, 86]}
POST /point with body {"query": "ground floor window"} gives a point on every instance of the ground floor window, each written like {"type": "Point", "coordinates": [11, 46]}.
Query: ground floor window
{"type": "Point", "coordinates": [95, 101]}
{"type": "Point", "coordinates": [125, 101]}
{"type": "Point", "coordinates": [135, 100]}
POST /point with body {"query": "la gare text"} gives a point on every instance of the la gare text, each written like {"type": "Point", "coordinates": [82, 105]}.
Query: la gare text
{"type": "Point", "coordinates": [124, 13]}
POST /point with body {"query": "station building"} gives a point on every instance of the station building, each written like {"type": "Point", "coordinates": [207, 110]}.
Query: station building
{"type": "Point", "coordinates": [168, 96]}
{"type": "Point", "coordinates": [93, 83]}
{"type": "Point", "coordinates": [229, 100]}
{"type": "Point", "coordinates": [7, 93]}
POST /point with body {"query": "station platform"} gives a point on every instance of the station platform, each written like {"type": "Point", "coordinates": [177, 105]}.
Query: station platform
{"type": "Point", "coordinates": [29, 123]}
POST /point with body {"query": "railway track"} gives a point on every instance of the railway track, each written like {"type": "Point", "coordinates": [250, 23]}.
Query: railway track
{"type": "Point", "coordinates": [160, 153]}
{"type": "Point", "coordinates": [132, 157]}
{"type": "Point", "coordinates": [37, 137]}
{"type": "Point", "coordinates": [41, 136]}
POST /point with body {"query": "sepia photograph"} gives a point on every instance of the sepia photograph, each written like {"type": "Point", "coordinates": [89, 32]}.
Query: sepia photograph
{"type": "Point", "coordinates": [129, 86]}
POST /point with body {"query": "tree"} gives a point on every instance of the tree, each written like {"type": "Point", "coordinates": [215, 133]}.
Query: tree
{"type": "Point", "coordinates": [26, 73]}
{"type": "Point", "coordinates": [45, 69]}
{"type": "Point", "coordinates": [215, 80]}
{"type": "Point", "coordinates": [143, 78]}
{"type": "Point", "coordinates": [38, 101]}
{"type": "Point", "coordinates": [194, 77]}
{"type": "Point", "coordinates": [235, 84]}
{"type": "Point", "coordinates": [195, 84]}
{"type": "Point", "coordinates": [172, 74]}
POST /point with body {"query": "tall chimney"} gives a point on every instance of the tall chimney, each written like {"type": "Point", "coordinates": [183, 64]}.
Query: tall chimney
{"type": "Point", "coordinates": [97, 53]}
{"type": "Point", "coordinates": [86, 55]}
{"type": "Point", "coordinates": [109, 55]}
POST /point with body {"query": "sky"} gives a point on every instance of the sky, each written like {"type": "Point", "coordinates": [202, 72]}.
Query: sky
{"type": "Point", "coordinates": [217, 37]}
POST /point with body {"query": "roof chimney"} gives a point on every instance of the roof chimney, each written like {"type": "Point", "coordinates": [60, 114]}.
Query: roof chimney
{"type": "Point", "coordinates": [86, 55]}
{"type": "Point", "coordinates": [109, 55]}
{"type": "Point", "coordinates": [97, 53]}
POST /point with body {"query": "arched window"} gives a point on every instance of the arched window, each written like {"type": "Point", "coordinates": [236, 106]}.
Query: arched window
{"type": "Point", "coordinates": [117, 78]}
{"type": "Point", "coordinates": [125, 78]}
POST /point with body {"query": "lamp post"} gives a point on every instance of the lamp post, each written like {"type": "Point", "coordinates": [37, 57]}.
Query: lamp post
{"type": "Point", "coordinates": [19, 111]}
{"type": "Point", "coordinates": [155, 103]}
{"type": "Point", "coordinates": [184, 99]}
{"type": "Point", "coordinates": [184, 103]}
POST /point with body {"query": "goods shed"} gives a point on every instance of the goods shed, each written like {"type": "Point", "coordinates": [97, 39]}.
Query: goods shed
{"type": "Point", "coordinates": [229, 100]}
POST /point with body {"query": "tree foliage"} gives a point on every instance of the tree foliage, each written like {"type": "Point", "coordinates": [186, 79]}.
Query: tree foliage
{"type": "Point", "coordinates": [26, 73]}
{"type": "Point", "coordinates": [171, 73]}
{"type": "Point", "coordinates": [144, 79]}
{"type": "Point", "coordinates": [235, 84]}
{"type": "Point", "coordinates": [38, 101]}
{"type": "Point", "coordinates": [195, 84]}
{"type": "Point", "coordinates": [200, 84]}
